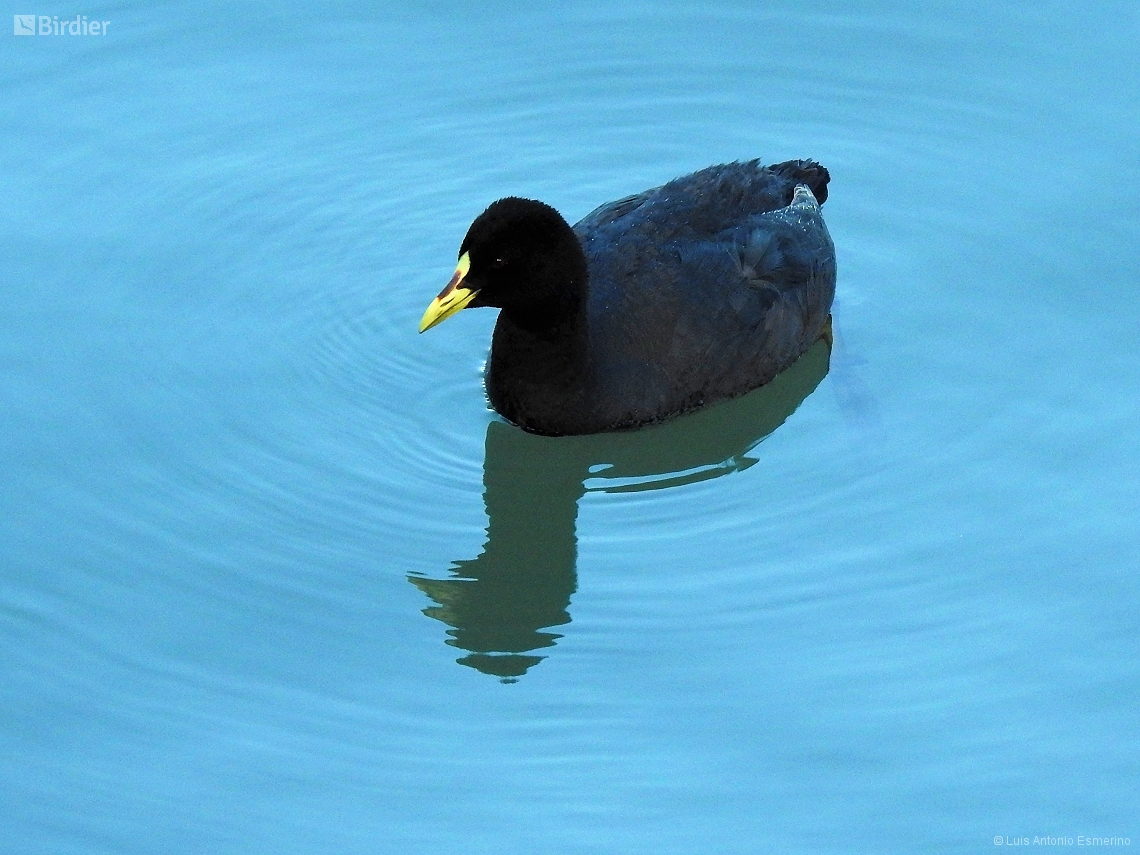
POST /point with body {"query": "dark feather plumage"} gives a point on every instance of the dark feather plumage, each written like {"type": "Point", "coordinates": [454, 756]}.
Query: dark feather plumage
{"type": "Point", "coordinates": [700, 289]}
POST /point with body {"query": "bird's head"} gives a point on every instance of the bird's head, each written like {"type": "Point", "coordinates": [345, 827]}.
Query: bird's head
{"type": "Point", "coordinates": [520, 256]}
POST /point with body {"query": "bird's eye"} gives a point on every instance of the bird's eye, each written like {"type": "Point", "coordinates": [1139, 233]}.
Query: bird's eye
{"type": "Point", "coordinates": [498, 262]}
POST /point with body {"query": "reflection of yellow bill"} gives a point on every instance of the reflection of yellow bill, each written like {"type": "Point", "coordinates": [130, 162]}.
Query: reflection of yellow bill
{"type": "Point", "coordinates": [451, 299]}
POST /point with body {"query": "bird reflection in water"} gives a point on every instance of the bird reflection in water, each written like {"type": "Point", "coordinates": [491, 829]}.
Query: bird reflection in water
{"type": "Point", "coordinates": [508, 602]}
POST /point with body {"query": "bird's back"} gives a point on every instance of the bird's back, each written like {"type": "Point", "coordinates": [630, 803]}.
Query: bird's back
{"type": "Point", "coordinates": [705, 287]}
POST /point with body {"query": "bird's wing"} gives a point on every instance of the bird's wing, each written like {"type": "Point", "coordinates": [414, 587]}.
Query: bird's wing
{"type": "Point", "coordinates": [611, 212]}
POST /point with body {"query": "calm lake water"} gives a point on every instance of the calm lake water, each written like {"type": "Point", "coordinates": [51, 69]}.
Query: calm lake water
{"type": "Point", "coordinates": [274, 579]}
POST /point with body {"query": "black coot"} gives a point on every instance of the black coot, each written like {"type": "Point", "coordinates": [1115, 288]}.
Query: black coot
{"type": "Point", "coordinates": [700, 289]}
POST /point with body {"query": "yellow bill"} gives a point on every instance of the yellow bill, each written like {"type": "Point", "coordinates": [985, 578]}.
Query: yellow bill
{"type": "Point", "coordinates": [451, 299]}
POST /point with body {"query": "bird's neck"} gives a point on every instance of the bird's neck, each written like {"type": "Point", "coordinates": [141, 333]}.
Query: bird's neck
{"type": "Point", "coordinates": [547, 345]}
{"type": "Point", "coordinates": [539, 370]}
{"type": "Point", "coordinates": [540, 355]}
{"type": "Point", "coordinates": [555, 300]}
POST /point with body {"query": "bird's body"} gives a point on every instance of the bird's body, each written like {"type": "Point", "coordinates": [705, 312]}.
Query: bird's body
{"type": "Point", "coordinates": [701, 289]}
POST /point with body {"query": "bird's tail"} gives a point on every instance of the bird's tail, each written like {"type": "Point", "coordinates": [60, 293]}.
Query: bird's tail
{"type": "Point", "coordinates": [804, 172]}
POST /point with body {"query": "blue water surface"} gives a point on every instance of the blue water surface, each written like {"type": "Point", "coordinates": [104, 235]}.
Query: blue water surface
{"type": "Point", "coordinates": [274, 579]}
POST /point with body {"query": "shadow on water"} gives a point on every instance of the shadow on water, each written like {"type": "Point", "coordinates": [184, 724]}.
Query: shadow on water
{"type": "Point", "coordinates": [503, 605]}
